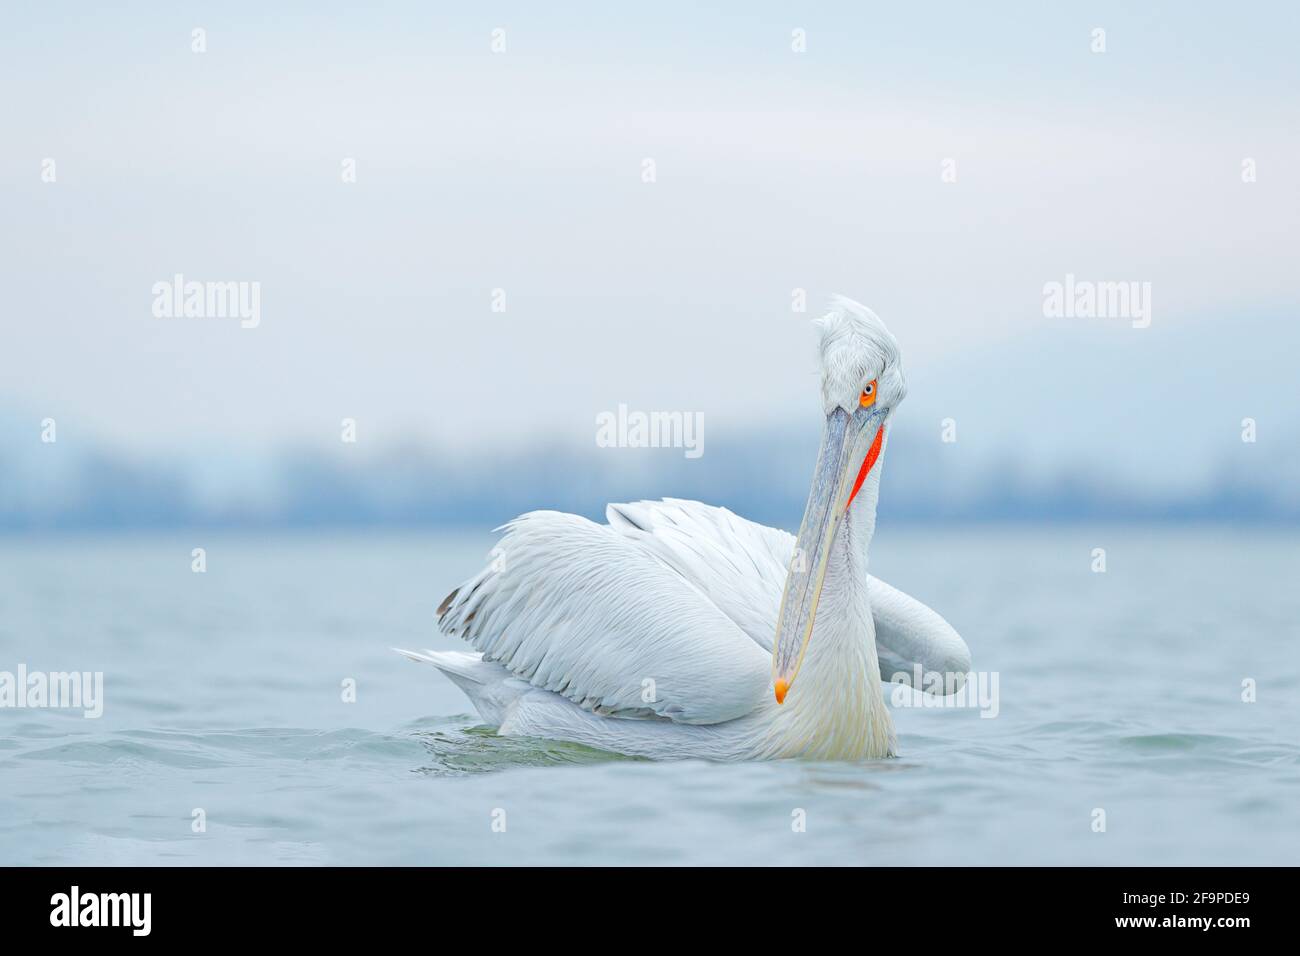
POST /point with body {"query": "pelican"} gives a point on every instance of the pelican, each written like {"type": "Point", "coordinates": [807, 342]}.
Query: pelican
{"type": "Point", "coordinates": [681, 630]}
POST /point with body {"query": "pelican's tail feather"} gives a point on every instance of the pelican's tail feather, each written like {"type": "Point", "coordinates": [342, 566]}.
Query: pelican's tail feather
{"type": "Point", "coordinates": [489, 686]}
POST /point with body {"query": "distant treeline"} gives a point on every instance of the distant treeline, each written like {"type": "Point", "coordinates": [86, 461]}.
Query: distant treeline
{"type": "Point", "coordinates": [764, 478]}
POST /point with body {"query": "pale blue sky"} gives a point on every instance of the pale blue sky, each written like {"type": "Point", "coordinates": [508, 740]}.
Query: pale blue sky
{"type": "Point", "coordinates": [776, 170]}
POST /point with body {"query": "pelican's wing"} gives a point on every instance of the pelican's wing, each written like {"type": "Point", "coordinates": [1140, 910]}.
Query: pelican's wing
{"type": "Point", "coordinates": [579, 609]}
{"type": "Point", "coordinates": [916, 646]}
{"type": "Point", "coordinates": [741, 566]}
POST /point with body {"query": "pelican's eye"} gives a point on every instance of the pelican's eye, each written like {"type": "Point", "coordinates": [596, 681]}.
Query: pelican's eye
{"type": "Point", "coordinates": [868, 395]}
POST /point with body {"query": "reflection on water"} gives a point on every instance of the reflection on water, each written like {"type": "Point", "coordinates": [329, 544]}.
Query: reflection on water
{"type": "Point", "coordinates": [478, 749]}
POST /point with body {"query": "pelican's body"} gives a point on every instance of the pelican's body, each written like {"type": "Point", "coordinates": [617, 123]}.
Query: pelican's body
{"type": "Point", "coordinates": [676, 630]}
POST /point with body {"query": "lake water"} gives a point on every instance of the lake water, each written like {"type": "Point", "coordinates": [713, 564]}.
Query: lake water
{"type": "Point", "coordinates": [223, 692]}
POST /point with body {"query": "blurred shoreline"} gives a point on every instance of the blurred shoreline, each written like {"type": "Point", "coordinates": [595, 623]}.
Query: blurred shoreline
{"type": "Point", "coordinates": [762, 477]}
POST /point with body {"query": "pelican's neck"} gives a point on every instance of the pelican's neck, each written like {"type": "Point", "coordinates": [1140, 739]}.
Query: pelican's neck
{"type": "Point", "coordinates": [836, 708]}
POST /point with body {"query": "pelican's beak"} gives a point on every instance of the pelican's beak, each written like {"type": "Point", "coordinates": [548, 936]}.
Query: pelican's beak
{"type": "Point", "coordinates": [850, 447]}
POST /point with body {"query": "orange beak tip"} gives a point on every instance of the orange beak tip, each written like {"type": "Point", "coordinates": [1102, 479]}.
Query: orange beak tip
{"type": "Point", "coordinates": [782, 687]}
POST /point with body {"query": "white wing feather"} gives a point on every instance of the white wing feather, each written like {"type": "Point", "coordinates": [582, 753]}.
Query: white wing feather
{"type": "Point", "coordinates": [579, 609]}
{"type": "Point", "coordinates": [738, 564]}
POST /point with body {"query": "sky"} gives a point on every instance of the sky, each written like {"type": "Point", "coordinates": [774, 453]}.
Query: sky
{"type": "Point", "coordinates": [939, 163]}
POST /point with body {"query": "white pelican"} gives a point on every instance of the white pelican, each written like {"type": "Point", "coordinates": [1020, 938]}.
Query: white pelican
{"type": "Point", "coordinates": [681, 630]}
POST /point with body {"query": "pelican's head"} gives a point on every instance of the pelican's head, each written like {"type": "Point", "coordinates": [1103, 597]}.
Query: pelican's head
{"type": "Point", "coordinates": [862, 384]}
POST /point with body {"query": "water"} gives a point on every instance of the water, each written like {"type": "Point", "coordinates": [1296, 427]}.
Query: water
{"type": "Point", "coordinates": [223, 692]}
